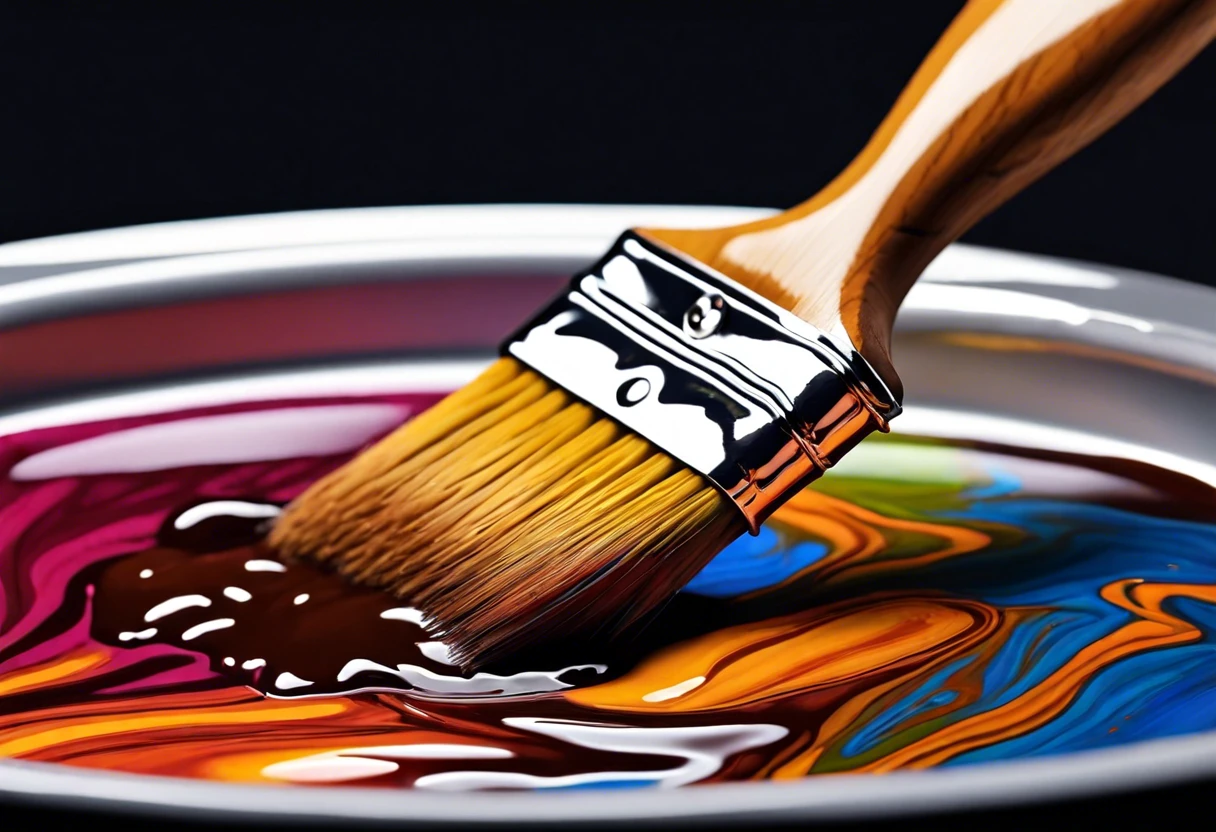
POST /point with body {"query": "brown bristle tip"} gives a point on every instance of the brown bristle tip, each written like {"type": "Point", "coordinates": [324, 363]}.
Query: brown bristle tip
{"type": "Point", "coordinates": [511, 513]}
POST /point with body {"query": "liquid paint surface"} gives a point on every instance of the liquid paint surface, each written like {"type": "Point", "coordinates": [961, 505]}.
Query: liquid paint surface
{"type": "Point", "coordinates": [923, 605]}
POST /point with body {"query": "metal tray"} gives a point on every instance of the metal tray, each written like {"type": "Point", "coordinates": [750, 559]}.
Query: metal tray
{"type": "Point", "coordinates": [1129, 369]}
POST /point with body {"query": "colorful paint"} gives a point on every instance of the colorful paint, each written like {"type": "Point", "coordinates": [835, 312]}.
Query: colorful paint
{"type": "Point", "coordinates": [926, 604]}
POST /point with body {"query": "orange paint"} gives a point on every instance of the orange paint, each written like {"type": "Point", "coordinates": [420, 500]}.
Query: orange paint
{"type": "Point", "coordinates": [1155, 628]}
{"type": "Point", "coordinates": [858, 536]}
{"type": "Point", "coordinates": [145, 719]}
{"type": "Point", "coordinates": [811, 651]}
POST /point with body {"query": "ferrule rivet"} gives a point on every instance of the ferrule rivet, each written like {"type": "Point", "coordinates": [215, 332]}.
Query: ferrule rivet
{"type": "Point", "coordinates": [632, 392]}
{"type": "Point", "coordinates": [705, 317]}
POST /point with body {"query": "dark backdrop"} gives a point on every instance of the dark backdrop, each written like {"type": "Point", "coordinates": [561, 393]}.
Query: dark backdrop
{"type": "Point", "coordinates": [109, 119]}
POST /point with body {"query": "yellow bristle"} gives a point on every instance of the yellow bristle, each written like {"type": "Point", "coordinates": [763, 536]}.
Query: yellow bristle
{"type": "Point", "coordinates": [511, 512]}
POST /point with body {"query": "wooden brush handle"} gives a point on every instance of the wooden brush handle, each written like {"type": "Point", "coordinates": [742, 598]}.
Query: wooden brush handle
{"type": "Point", "coordinates": [1012, 89]}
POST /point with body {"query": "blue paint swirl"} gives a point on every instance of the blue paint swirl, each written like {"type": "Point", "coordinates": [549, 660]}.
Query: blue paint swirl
{"type": "Point", "coordinates": [1051, 569]}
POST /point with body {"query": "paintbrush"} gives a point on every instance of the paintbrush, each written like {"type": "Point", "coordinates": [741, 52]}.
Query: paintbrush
{"type": "Point", "coordinates": [690, 381]}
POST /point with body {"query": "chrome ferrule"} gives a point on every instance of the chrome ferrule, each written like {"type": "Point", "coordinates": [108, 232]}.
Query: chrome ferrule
{"type": "Point", "coordinates": [745, 393]}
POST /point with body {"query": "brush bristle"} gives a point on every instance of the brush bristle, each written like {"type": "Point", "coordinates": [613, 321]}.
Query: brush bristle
{"type": "Point", "coordinates": [512, 513]}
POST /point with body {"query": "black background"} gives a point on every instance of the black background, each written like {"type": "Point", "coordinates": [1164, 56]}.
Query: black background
{"type": "Point", "coordinates": [111, 119]}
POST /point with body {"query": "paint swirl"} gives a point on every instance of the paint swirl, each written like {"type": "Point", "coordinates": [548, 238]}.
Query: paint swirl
{"type": "Point", "coordinates": [924, 605]}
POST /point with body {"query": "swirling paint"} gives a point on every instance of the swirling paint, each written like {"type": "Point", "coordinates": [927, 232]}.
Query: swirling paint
{"type": "Point", "coordinates": [924, 605]}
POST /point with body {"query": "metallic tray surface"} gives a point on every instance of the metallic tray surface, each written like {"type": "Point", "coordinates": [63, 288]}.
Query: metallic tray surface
{"type": "Point", "coordinates": [1049, 353]}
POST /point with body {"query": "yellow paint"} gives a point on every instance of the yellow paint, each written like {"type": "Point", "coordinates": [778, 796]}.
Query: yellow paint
{"type": "Point", "coordinates": [67, 731]}
{"type": "Point", "coordinates": [50, 672]}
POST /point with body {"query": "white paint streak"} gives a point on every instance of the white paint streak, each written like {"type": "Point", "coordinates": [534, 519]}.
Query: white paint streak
{"type": "Point", "coordinates": [224, 508]}
{"type": "Point", "coordinates": [424, 681]}
{"type": "Point", "coordinates": [290, 681]}
{"type": "Point", "coordinates": [703, 748]}
{"type": "Point", "coordinates": [264, 566]}
{"type": "Point", "coordinates": [138, 635]}
{"type": "Point", "coordinates": [407, 614]}
{"type": "Point", "coordinates": [207, 627]}
{"type": "Point", "coordinates": [360, 763]}
{"type": "Point", "coordinates": [176, 604]}
{"type": "Point", "coordinates": [675, 690]}
{"type": "Point", "coordinates": [436, 651]}
{"type": "Point", "coordinates": [328, 768]}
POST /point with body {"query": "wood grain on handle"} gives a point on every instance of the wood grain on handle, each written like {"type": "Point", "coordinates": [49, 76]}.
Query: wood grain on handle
{"type": "Point", "coordinates": [1012, 89]}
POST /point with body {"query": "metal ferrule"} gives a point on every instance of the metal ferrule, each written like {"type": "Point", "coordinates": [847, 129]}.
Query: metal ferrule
{"type": "Point", "coordinates": [750, 396]}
